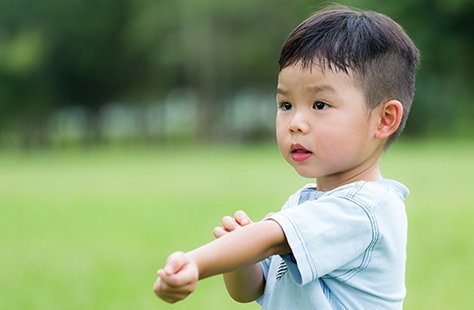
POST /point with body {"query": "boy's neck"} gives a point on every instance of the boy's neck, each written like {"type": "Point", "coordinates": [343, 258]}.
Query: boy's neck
{"type": "Point", "coordinates": [368, 171]}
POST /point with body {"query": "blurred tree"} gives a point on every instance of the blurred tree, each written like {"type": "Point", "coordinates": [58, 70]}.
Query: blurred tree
{"type": "Point", "coordinates": [86, 53]}
{"type": "Point", "coordinates": [444, 33]}
{"type": "Point", "coordinates": [57, 53]}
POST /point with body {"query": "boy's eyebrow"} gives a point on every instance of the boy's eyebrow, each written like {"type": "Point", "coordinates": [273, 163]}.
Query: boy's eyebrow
{"type": "Point", "coordinates": [323, 88]}
{"type": "Point", "coordinates": [280, 91]}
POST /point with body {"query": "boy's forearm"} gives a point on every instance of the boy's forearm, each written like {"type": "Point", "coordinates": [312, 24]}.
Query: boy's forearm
{"type": "Point", "coordinates": [241, 248]}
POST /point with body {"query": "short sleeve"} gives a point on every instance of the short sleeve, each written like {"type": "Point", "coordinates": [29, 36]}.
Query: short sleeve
{"type": "Point", "coordinates": [266, 265]}
{"type": "Point", "coordinates": [324, 235]}
{"type": "Point", "coordinates": [265, 268]}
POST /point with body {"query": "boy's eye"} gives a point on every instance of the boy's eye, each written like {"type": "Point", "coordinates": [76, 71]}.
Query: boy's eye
{"type": "Point", "coordinates": [318, 105]}
{"type": "Point", "coordinates": [286, 106]}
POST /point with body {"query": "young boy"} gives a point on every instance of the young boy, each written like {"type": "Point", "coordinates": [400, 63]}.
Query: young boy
{"type": "Point", "coordinates": [346, 83]}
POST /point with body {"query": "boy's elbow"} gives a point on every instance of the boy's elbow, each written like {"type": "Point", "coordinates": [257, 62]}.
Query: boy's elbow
{"type": "Point", "coordinates": [246, 285]}
{"type": "Point", "coordinates": [244, 298]}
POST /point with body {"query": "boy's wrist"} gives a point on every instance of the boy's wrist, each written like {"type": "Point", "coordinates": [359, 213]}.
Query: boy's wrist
{"type": "Point", "coordinates": [195, 262]}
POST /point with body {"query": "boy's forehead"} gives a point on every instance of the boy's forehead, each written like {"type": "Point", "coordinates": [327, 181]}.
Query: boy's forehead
{"type": "Point", "coordinates": [320, 78]}
{"type": "Point", "coordinates": [321, 66]}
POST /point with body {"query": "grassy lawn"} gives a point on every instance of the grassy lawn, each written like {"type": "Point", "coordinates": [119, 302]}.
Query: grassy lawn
{"type": "Point", "coordinates": [89, 229]}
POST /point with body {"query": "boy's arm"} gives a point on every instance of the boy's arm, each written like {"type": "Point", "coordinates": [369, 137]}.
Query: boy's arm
{"type": "Point", "coordinates": [242, 248]}
{"type": "Point", "coordinates": [246, 284]}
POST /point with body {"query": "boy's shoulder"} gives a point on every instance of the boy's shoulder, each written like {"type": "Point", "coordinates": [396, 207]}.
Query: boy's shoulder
{"type": "Point", "coordinates": [372, 189]}
{"type": "Point", "coordinates": [361, 192]}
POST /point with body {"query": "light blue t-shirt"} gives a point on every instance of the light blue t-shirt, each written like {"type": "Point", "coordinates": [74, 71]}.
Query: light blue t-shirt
{"type": "Point", "coordinates": [348, 249]}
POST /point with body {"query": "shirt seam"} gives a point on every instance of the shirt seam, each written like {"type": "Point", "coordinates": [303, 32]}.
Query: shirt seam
{"type": "Point", "coordinates": [366, 259]}
{"type": "Point", "coordinates": [306, 251]}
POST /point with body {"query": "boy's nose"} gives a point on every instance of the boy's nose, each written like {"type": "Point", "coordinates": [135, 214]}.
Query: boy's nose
{"type": "Point", "coordinates": [298, 125]}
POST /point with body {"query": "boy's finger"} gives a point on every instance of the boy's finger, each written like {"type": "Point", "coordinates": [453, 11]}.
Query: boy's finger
{"type": "Point", "coordinates": [169, 293]}
{"type": "Point", "coordinates": [219, 232]}
{"type": "Point", "coordinates": [229, 224]}
{"type": "Point", "coordinates": [242, 218]}
{"type": "Point", "coordinates": [269, 214]}
{"type": "Point", "coordinates": [180, 281]}
{"type": "Point", "coordinates": [174, 262]}
{"type": "Point", "coordinates": [173, 294]}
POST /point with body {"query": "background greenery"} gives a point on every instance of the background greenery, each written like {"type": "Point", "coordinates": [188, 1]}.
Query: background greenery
{"type": "Point", "coordinates": [79, 57]}
{"type": "Point", "coordinates": [88, 230]}
{"type": "Point", "coordinates": [97, 187]}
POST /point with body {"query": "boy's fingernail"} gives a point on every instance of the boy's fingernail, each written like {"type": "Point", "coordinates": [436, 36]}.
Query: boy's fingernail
{"type": "Point", "coordinates": [244, 221]}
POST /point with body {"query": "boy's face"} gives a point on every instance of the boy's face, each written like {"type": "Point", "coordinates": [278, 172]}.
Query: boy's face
{"type": "Point", "coordinates": [323, 127]}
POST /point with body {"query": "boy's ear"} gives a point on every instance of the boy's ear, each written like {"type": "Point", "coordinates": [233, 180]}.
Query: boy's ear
{"type": "Point", "coordinates": [390, 117]}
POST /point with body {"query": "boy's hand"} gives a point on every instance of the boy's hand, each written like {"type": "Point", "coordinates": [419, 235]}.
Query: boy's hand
{"type": "Point", "coordinates": [178, 279]}
{"type": "Point", "coordinates": [230, 224]}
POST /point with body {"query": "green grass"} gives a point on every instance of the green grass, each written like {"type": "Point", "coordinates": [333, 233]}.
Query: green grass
{"type": "Point", "coordinates": [89, 229]}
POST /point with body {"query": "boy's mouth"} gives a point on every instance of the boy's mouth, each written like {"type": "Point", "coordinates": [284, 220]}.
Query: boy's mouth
{"type": "Point", "coordinates": [299, 153]}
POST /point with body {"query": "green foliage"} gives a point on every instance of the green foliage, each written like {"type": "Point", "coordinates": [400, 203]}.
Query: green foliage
{"type": "Point", "coordinates": [88, 230]}
{"type": "Point", "coordinates": [54, 54]}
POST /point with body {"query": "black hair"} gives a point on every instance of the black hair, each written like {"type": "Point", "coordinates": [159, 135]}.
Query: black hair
{"type": "Point", "coordinates": [371, 45]}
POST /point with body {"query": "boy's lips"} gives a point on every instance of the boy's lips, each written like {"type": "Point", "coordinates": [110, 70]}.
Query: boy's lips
{"type": "Point", "coordinates": [299, 153]}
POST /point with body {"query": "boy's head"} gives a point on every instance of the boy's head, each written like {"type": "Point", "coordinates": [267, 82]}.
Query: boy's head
{"type": "Point", "coordinates": [373, 47]}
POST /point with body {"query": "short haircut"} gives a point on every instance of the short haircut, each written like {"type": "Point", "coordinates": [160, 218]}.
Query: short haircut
{"type": "Point", "coordinates": [371, 45]}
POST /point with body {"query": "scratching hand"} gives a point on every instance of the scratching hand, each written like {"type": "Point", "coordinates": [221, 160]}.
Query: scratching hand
{"type": "Point", "coordinates": [178, 279]}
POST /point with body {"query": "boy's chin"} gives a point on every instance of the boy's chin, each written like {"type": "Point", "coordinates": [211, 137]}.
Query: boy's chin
{"type": "Point", "coordinates": [305, 174]}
